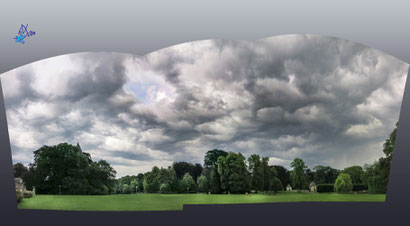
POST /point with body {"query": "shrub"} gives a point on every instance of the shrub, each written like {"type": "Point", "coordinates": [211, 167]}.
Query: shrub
{"type": "Point", "coordinates": [360, 187]}
{"type": "Point", "coordinates": [377, 185]}
{"type": "Point", "coordinates": [324, 188]}
{"type": "Point", "coordinates": [19, 196]}
{"type": "Point", "coordinates": [27, 194]}
{"type": "Point", "coordinates": [343, 183]}
{"type": "Point", "coordinates": [164, 188]}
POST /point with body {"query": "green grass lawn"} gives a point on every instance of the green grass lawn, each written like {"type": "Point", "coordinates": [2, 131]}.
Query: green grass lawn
{"type": "Point", "coordinates": [135, 202]}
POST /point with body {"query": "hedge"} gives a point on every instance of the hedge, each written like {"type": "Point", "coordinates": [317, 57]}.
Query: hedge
{"type": "Point", "coordinates": [360, 187]}
{"type": "Point", "coordinates": [325, 188]}
{"type": "Point", "coordinates": [377, 185]}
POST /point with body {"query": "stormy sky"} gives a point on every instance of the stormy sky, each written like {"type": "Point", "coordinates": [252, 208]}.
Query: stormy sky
{"type": "Point", "coordinates": [325, 100]}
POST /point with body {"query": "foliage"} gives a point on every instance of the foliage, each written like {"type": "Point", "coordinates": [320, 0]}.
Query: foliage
{"type": "Point", "coordinates": [355, 172]}
{"type": "Point", "coordinates": [68, 168]}
{"type": "Point", "coordinates": [310, 175]}
{"type": "Point", "coordinates": [269, 173]}
{"type": "Point", "coordinates": [376, 175]}
{"type": "Point", "coordinates": [369, 170]}
{"type": "Point", "coordinates": [130, 180]}
{"type": "Point", "coordinates": [184, 167]}
{"type": "Point", "coordinates": [325, 188]}
{"type": "Point", "coordinates": [376, 185]}
{"type": "Point", "coordinates": [203, 185]}
{"type": "Point", "coordinates": [257, 172]}
{"type": "Point", "coordinates": [133, 185]}
{"type": "Point", "coordinates": [188, 183]}
{"type": "Point", "coordinates": [343, 183]}
{"type": "Point", "coordinates": [211, 157]}
{"type": "Point", "coordinates": [125, 189]}
{"type": "Point", "coordinates": [165, 188]}
{"type": "Point", "coordinates": [235, 177]}
{"type": "Point", "coordinates": [283, 174]}
{"type": "Point", "coordinates": [298, 174]}
{"type": "Point", "coordinates": [152, 180]}
{"type": "Point", "coordinates": [215, 181]}
{"type": "Point", "coordinates": [276, 185]}
{"type": "Point", "coordinates": [168, 176]}
{"type": "Point", "coordinates": [19, 170]}
{"type": "Point", "coordinates": [325, 174]}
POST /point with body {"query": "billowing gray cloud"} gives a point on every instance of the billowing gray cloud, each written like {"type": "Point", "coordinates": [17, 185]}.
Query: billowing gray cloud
{"type": "Point", "coordinates": [326, 100]}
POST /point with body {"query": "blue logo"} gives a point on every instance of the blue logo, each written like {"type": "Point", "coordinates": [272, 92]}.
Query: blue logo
{"type": "Point", "coordinates": [23, 33]}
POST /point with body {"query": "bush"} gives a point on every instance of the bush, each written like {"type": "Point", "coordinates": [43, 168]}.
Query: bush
{"type": "Point", "coordinates": [377, 185]}
{"type": "Point", "coordinates": [324, 188]}
{"type": "Point", "coordinates": [343, 183]}
{"type": "Point", "coordinates": [27, 194]}
{"type": "Point", "coordinates": [164, 188]}
{"type": "Point", "coordinates": [360, 187]}
{"type": "Point", "coordinates": [19, 196]}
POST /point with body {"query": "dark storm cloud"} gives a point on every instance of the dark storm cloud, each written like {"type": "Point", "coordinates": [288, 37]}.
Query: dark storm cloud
{"type": "Point", "coordinates": [326, 100]}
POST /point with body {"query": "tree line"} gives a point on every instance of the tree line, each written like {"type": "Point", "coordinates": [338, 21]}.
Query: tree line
{"type": "Point", "coordinates": [66, 169]}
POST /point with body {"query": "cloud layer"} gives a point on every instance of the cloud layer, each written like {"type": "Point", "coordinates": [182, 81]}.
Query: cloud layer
{"type": "Point", "coordinates": [325, 100]}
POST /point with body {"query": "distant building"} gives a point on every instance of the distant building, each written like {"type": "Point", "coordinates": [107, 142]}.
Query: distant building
{"type": "Point", "coordinates": [19, 184]}
{"type": "Point", "coordinates": [313, 187]}
{"type": "Point", "coordinates": [288, 188]}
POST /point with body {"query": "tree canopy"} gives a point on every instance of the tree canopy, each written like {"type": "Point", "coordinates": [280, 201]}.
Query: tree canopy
{"type": "Point", "coordinates": [298, 174]}
{"type": "Point", "coordinates": [67, 168]}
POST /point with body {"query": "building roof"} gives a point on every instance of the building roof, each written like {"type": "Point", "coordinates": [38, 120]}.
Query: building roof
{"type": "Point", "coordinates": [312, 184]}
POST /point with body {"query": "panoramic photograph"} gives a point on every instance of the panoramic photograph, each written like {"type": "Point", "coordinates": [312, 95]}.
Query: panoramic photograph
{"type": "Point", "coordinates": [289, 118]}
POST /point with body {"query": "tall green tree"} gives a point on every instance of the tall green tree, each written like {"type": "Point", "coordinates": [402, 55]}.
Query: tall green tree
{"type": "Point", "coordinates": [283, 174]}
{"type": "Point", "coordinates": [269, 174]}
{"type": "Point", "coordinates": [214, 181]}
{"type": "Point", "coordinates": [235, 177]}
{"type": "Point", "coordinates": [211, 166]}
{"type": "Point", "coordinates": [298, 174]}
{"type": "Point", "coordinates": [152, 180]}
{"type": "Point", "coordinates": [101, 177]}
{"type": "Point", "coordinates": [67, 168]}
{"type": "Point", "coordinates": [257, 172]}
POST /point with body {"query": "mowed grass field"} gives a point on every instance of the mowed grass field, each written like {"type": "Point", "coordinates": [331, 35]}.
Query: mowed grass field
{"type": "Point", "coordinates": [149, 202]}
